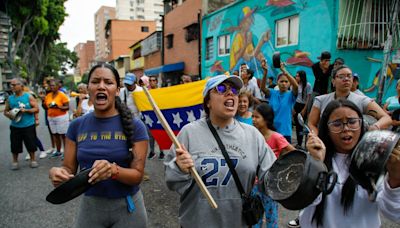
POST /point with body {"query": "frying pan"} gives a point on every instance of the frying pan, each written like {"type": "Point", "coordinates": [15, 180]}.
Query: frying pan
{"type": "Point", "coordinates": [71, 188]}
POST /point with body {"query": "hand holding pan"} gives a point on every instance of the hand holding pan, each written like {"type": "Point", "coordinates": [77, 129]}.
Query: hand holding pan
{"type": "Point", "coordinates": [70, 189]}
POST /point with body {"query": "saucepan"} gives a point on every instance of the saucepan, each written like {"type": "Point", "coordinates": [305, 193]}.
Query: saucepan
{"type": "Point", "coordinates": [296, 179]}
{"type": "Point", "coordinates": [369, 158]}
{"type": "Point", "coordinates": [16, 114]}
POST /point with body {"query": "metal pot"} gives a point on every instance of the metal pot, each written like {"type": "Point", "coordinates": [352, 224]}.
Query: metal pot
{"type": "Point", "coordinates": [276, 59]}
{"type": "Point", "coordinates": [368, 160]}
{"type": "Point", "coordinates": [16, 114]}
{"type": "Point", "coordinates": [296, 179]}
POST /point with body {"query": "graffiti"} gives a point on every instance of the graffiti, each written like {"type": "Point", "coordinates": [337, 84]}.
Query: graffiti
{"type": "Point", "coordinates": [217, 68]}
{"type": "Point", "coordinates": [393, 72]}
{"type": "Point", "coordinates": [280, 3]}
{"type": "Point", "coordinates": [215, 23]}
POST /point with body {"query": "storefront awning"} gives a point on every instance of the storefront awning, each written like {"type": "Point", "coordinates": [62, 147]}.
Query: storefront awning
{"type": "Point", "coordinates": [165, 68]}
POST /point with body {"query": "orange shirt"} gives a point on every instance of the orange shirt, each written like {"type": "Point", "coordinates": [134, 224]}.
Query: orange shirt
{"type": "Point", "coordinates": [60, 100]}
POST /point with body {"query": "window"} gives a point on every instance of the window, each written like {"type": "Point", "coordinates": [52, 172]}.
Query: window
{"type": "Point", "coordinates": [192, 32]}
{"type": "Point", "coordinates": [365, 24]}
{"type": "Point", "coordinates": [209, 47]}
{"type": "Point", "coordinates": [132, 17]}
{"type": "Point", "coordinates": [137, 53]}
{"type": "Point", "coordinates": [287, 31]}
{"type": "Point", "coordinates": [170, 41]}
{"type": "Point", "coordinates": [131, 3]}
{"type": "Point", "coordinates": [139, 9]}
{"type": "Point", "coordinates": [131, 9]}
{"type": "Point", "coordinates": [140, 17]}
{"type": "Point", "coordinates": [145, 28]}
{"type": "Point", "coordinates": [224, 45]}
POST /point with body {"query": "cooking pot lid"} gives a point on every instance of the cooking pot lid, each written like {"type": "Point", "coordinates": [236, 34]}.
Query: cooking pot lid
{"type": "Point", "coordinates": [71, 188]}
{"type": "Point", "coordinates": [285, 175]}
{"type": "Point", "coordinates": [369, 158]}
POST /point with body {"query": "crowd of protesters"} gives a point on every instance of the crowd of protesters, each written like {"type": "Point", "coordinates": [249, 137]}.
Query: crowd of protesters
{"type": "Point", "coordinates": [254, 120]}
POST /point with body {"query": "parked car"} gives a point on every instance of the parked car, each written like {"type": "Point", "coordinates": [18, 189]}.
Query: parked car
{"type": "Point", "coordinates": [3, 97]}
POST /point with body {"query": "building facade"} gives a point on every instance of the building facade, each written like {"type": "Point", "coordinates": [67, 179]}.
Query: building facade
{"type": "Point", "coordinates": [101, 17]}
{"type": "Point", "coordinates": [180, 51]}
{"type": "Point", "coordinates": [86, 54]}
{"type": "Point", "coordinates": [249, 31]}
{"type": "Point", "coordinates": [145, 10]}
{"type": "Point", "coordinates": [5, 71]}
{"type": "Point", "coordinates": [120, 35]}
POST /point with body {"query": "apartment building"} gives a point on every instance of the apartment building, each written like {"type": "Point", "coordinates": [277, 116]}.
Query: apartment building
{"type": "Point", "coordinates": [121, 34]}
{"type": "Point", "coordinates": [101, 17]}
{"type": "Point", "coordinates": [145, 10]}
{"type": "Point", "coordinates": [86, 54]}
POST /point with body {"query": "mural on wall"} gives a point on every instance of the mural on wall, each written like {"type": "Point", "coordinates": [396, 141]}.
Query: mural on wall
{"type": "Point", "coordinates": [250, 38]}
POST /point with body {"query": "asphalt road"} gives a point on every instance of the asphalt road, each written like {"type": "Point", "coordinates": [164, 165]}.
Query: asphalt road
{"type": "Point", "coordinates": [23, 192]}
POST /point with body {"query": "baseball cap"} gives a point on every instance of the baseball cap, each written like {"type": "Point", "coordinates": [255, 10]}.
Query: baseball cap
{"type": "Point", "coordinates": [325, 55]}
{"type": "Point", "coordinates": [356, 76]}
{"type": "Point", "coordinates": [130, 79]}
{"type": "Point", "coordinates": [215, 81]}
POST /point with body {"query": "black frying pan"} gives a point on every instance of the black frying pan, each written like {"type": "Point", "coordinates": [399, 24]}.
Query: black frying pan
{"type": "Point", "coordinates": [71, 188]}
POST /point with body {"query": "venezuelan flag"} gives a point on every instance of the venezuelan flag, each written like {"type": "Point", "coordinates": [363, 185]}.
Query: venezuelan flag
{"type": "Point", "coordinates": [180, 105]}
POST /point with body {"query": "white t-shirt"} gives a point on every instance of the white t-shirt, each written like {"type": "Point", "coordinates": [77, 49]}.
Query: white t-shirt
{"type": "Point", "coordinates": [86, 108]}
{"type": "Point", "coordinates": [127, 98]}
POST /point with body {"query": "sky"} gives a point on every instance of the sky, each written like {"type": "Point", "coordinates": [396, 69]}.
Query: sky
{"type": "Point", "coordinates": [78, 26]}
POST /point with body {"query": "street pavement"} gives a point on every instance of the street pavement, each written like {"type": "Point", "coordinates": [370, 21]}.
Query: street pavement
{"type": "Point", "coordinates": [23, 192]}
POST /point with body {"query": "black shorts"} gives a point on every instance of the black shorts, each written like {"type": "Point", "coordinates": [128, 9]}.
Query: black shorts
{"type": "Point", "coordinates": [26, 135]}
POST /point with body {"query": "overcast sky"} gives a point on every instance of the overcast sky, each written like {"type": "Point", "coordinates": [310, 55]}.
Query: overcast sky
{"type": "Point", "coordinates": [79, 25]}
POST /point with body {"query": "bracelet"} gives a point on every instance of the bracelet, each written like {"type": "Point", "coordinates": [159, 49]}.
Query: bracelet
{"type": "Point", "coordinates": [115, 175]}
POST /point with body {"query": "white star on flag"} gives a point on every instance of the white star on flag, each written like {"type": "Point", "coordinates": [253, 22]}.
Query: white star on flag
{"type": "Point", "coordinates": [177, 119]}
{"type": "Point", "coordinates": [148, 120]}
{"type": "Point", "coordinates": [191, 116]}
{"type": "Point", "coordinates": [202, 113]}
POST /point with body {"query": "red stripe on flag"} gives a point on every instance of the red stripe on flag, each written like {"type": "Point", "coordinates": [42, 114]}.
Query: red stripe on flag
{"type": "Point", "coordinates": [162, 138]}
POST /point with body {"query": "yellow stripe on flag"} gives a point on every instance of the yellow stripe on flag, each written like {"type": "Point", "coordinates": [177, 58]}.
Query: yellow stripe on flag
{"type": "Point", "coordinates": [184, 95]}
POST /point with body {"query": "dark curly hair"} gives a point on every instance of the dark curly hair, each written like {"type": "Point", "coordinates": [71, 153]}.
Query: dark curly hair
{"type": "Point", "coordinates": [123, 110]}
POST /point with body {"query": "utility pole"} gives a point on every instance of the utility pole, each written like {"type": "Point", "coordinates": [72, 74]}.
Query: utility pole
{"type": "Point", "coordinates": [387, 52]}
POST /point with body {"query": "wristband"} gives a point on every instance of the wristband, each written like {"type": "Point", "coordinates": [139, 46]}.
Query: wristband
{"type": "Point", "coordinates": [115, 175]}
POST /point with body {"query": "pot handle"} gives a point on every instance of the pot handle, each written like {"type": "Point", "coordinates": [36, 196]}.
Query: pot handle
{"type": "Point", "coordinates": [328, 186]}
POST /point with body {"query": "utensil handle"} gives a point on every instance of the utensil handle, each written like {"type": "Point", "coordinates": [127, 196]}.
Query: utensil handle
{"type": "Point", "coordinates": [328, 188]}
{"type": "Point", "coordinates": [173, 138]}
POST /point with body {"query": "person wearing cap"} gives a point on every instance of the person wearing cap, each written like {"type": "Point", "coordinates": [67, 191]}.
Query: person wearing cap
{"type": "Point", "coordinates": [322, 71]}
{"type": "Point", "coordinates": [244, 144]}
{"type": "Point", "coordinates": [356, 84]}
{"type": "Point", "coordinates": [126, 93]}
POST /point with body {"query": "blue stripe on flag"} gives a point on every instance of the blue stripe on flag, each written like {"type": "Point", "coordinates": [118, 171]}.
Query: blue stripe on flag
{"type": "Point", "coordinates": [176, 117]}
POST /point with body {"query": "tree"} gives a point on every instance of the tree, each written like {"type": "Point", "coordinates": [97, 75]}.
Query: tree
{"type": "Point", "coordinates": [35, 25]}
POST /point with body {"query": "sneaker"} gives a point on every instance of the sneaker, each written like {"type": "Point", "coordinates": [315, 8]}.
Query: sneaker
{"type": "Point", "coordinates": [34, 164]}
{"type": "Point", "coordinates": [151, 155]}
{"type": "Point", "coordinates": [161, 156]}
{"type": "Point", "coordinates": [50, 151]}
{"type": "Point", "coordinates": [294, 223]}
{"type": "Point", "coordinates": [56, 154]}
{"type": "Point", "coordinates": [27, 157]}
{"type": "Point", "coordinates": [14, 166]}
{"type": "Point", "coordinates": [42, 154]}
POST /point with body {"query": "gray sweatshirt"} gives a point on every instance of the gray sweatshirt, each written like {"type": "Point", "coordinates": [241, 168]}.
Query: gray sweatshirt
{"type": "Point", "coordinates": [246, 148]}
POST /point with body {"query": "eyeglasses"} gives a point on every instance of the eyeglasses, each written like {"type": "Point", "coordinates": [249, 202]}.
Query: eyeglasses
{"type": "Point", "coordinates": [15, 84]}
{"type": "Point", "coordinates": [345, 76]}
{"type": "Point", "coordinates": [223, 88]}
{"type": "Point", "coordinates": [337, 126]}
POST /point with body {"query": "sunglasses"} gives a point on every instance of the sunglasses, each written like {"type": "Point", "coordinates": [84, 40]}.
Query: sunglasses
{"type": "Point", "coordinates": [223, 88]}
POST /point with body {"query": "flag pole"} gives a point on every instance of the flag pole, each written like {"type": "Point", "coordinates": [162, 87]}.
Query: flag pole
{"type": "Point", "coordinates": [173, 138]}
